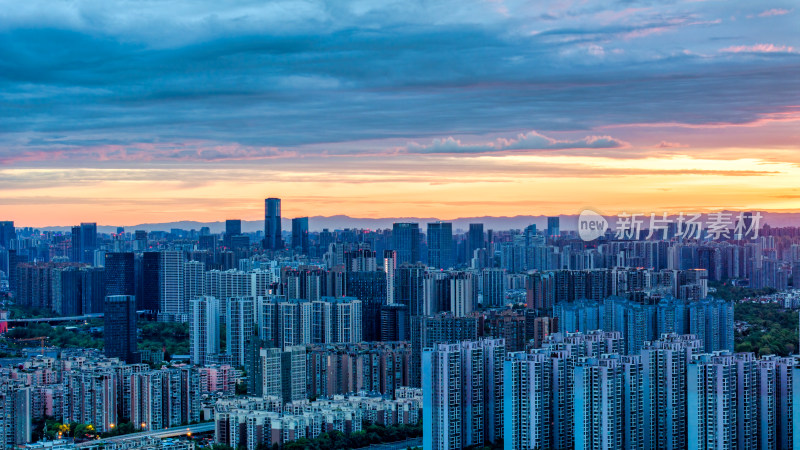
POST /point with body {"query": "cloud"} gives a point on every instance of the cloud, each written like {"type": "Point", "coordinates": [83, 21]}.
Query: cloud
{"type": "Point", "coordinates": [89, 81]}
{"type": "Point", "coordinates": [665, 144]}
{"type": "Point", "coordinates": [146, 152]}
{"type": "Point", "coordinates": [759, 48]}
{"type": "Point", "coordinates": [774, 12]}
{"type": "Point", "coordinates": [523, 142]}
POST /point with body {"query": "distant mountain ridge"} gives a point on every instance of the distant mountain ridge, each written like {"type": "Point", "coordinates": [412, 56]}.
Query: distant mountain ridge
{"type": "Point", "coordinates": [339, 222]}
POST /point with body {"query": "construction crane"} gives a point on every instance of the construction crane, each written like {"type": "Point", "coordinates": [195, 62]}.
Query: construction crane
{"type": "Point", "coordinates": [41, 339]}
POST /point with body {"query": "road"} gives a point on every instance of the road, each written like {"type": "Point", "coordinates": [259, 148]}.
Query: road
{"type": "Point", "coordinates": [402, 445]}
{"type": "Point", "coordinates": [161, 434]}
{"type": "Point", "coordinates": [55, 319]}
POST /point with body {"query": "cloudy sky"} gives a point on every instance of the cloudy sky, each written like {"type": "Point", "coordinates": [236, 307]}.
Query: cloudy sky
{"type": "Point", "coordinates": [123, 112]}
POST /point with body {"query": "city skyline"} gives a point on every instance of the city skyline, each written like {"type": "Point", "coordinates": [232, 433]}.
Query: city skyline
{"type": "Point", "coordinates": [384, 109]}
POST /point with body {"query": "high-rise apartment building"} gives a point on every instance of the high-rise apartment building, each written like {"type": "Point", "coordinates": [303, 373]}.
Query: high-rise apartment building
{"type": "Point", "coordinates": [171, 279]}
{"type": "Point", "coordinates": [239, 323]}
{"type": "Point", "coordinates": [493, 287]}
{"type": "Point", "coordinates": [390, 268]}
{"type": "Point", "coordinates": [204, 329]}
{"type": "Point", "coordinates": [462, 394]}
{"type": "Point", "coordinates": [442, 329]}
{"type": "Point", "coordinates": [463, 298]}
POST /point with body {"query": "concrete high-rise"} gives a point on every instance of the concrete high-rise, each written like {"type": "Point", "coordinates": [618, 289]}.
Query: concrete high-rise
{"type": "Point", "coordinates": [272, 224]}
{"type": "Point", "coordinates": [463, 297]}
{"type": "Point", "coordinates": [390, 267]}
{"type": "Point", "coordinates": [441, 328]}
{"type": "Point", "coordinates": [120, 328]}
{"type": "Point", "coordinates": [171, 279]}
{"type": "Point", "coordinates": [240, 323]}
{"type": "Point", "coordinates": [204, 329]}
{"type": "Point", "coordinates": [462, 394]}
{"type": "Point", "coordinates": [493, 287]}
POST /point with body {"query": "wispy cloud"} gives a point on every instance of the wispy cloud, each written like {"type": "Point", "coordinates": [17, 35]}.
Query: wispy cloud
{"type": "Point", "coordinates": [759, 48]}
{"type": "Point", "coordinates": [147, 152]}
{"type": "Point", "coordinates": [774, 12]}
{"type": "Point", "coordinates": [531, 141]}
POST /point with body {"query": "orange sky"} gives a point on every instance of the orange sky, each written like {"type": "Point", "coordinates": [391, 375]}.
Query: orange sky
{"type": "Point", "coordinates": [443, 186]}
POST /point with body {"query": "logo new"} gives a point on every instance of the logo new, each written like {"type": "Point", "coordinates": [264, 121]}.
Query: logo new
{"type": "Point", "coordinates": [591, 225]}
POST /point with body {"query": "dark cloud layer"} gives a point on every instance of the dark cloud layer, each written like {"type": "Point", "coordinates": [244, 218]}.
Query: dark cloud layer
{"type": "Point", "coordinates": [208, 81]}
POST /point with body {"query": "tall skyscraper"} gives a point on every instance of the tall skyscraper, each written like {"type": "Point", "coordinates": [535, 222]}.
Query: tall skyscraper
{"type": "Point", "coordinates": [553, 226]}
{"type": "Point", "coordinates": [370, 288]}
{"type": "Point", "coordinates": [84, 242]}
{"type": "Point", "coordinates": [410, 287]}
{"type": "Point", "coordinates": [7, 233]}
{"type": "Point", "coordinates": [300, 241]}
{"type": "Point", "coordinates": [233, 227]}
{"type": "Point", "coordinates": [405, 239]}
{"type": "Point", "coordinates": [440, 245]}
{"type": "Point", "coordinates": [272, 224]}
{"type": "Point", "coordinates": [120, 328]}
{"type": "Point", "coordinates": [204, 329]}
{"type": "Point", "coordinates": [148, 287]}
{"type": "Point", "coordinates": [120, 274]}
{"type": "Point", "coordinates": [475, 240]}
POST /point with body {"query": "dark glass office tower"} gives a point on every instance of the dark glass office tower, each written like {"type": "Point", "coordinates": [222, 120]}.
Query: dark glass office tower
{"type": "Point", "coordinates": [440, 245]}
{"type": "Point", "coordinates": [300, 234]}
{"type": "Point", "coordinates": [150, 297]}
{"type": "Point", "coordinates": [474, 240]}
{"type": "Point", "coordinates": [405, 238]}
{"type": "Point", "coordinates": [233, 227]}
{"type": "Point", "coordinates": [553, 226]}
{"type": "Point", "coordinates": [120, 328]}
{"type": "Point", "coordinates": [120, 274]}
{"type": "Point", "coordinates": [84, 242]}
{"type": "Point", "coordinates": [7, 233]}
{"type": "Point", "coordinates": [272, 224]}
{"type": "Point", "coordinates": [370, 288]}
